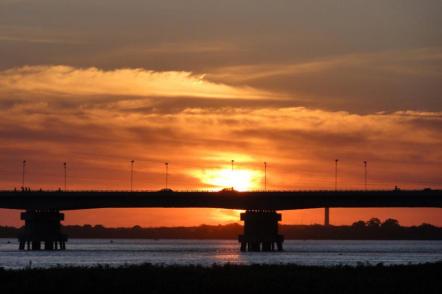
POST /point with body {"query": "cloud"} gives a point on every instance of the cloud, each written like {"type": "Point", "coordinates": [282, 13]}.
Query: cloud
{"type": "Point", "coordinates": [307, 50]}
{"type": "Point", "coordinates": [416, 62]}
{"type": "Point", "coordinates": [66, 80]}
{"type": "Point", "coordinates": [100, 136]}
{"type": "Point", "coordinates": [357, 82]}
{"type": "Point", "coordinates": [100, 119]}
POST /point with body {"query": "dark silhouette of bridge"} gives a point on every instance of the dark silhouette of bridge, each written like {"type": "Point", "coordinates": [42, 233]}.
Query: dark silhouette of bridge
{"type": "Point", "coordinates": [42, 217]}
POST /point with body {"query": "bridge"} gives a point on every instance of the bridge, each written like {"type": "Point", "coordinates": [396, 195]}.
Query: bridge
{"type": "Point", "coordinates": [43, 218]}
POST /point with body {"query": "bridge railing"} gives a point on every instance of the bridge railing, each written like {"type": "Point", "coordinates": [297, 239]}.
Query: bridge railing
{"type": "Point", "coordinates": [216, 191]}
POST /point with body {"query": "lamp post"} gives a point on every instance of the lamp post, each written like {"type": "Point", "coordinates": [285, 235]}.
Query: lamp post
{"type": "Point", "coordinates": [131, 174]}
{"type": "Point", "coordinates": [23, 174]}
{"type": "Point", "coordinates": [336, 174]}
{"type": "Point", "coordinates": [167, 173]}
{"type": "Point", "coordinates": [265, 176]}
{"type": "Point", "coordinates": [365, 175]}
{"type": "Point", "coordinates": [65, 175]}
{"type": "Point", "coordinates": [232, 174]}
{"type": "Point", "coordinates": [327, 209]}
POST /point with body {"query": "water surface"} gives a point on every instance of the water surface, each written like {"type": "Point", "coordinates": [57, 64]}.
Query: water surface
{"type": "Point", "coordinates": [88, 252]}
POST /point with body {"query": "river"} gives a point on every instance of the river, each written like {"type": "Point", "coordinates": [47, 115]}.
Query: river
{"type": "Point", "coordinates": [88, 252]}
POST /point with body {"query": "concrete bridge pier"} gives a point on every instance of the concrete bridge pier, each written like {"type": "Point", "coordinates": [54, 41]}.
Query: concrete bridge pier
{"type": "Point", "coordinates": [261, 231]}
{"type": "Point", "coordinates": [42, 227]}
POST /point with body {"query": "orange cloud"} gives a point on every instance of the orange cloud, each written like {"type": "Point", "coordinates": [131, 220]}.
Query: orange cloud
{"type": "Point", "coordinates": [299, 143]}
{"type": "Point", "coordinates": [137, 82]}
{"type": "Point", "coordinates": [99, 134]}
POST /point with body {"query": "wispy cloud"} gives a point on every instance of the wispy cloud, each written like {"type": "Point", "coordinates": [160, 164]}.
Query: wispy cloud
{"type": "Point", "coordinates": [137, 82]}
{"type": "Point", "coordinates": [404, 62]}
{"type": "Point", "coordinates": [300, 143]}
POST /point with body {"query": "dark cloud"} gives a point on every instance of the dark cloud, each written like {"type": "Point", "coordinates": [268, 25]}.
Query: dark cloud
{"type": "Point", "coordinates": [210, 36]}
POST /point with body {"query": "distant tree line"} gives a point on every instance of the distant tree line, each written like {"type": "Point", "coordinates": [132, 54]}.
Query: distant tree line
{"type": "Point", "coordinates": [372, 229]}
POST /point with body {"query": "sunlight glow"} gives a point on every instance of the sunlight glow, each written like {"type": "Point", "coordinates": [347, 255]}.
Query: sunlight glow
{"type": "Point", "coordinates": [226, 216]}
{"type": "Point", "coordinates": [240, 179]}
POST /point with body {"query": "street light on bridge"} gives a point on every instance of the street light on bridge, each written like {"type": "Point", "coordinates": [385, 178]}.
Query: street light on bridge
{"type": "Point", "coordinates": [336, 174]}
{"type": "Point", "coordinates": [327, 209]}
{"type": "Point", "coordinates": [265, 176]}
{"type": "Point", "coordinates": [65, 175]}
{"type": "Point", "coordinates": [23, 174]}
{"type": "Point", "coordinates": [131, 174]}
{"type": "Point", "coordinates": [167, 173]}
{"type": "Point", "coordinates": [232, 180]}
{"type": "Point", "coordinates": [365, 175]}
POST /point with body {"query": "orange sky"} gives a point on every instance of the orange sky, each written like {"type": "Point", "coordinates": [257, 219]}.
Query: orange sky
{"type": "Point", "coordinates": [296, 84]}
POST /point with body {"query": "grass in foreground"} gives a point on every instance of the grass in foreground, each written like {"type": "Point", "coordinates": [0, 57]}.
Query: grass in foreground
{"type": "Point", "coordinates": [273, 279]}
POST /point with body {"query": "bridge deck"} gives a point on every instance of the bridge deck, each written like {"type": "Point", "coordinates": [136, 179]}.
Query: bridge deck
{"type": "Point", "coordinates": [270, 200]}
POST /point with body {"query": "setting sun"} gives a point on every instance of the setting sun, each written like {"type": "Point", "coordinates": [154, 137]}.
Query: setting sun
{"type": "Point", "coordinates": [239, 180]}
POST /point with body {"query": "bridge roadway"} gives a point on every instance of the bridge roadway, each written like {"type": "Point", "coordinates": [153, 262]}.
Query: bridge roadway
{"type": "Point", "coordinates": [43, 218]}
{"type": "Point", "coordinates": [270, 200]}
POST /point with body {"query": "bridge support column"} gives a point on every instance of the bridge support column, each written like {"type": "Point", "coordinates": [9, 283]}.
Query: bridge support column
{"type": "Point", "coordinates": [326, 216]}
{"type": "Point", "coordinates": [261, 231]}
{"type": "Point", "coordinates": [42, 227]}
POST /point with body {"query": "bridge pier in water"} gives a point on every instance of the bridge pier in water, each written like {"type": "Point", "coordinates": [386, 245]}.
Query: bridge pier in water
{"type": "Point", "coordinates": [42, 227]}
{"type": "Point", "coordinates": [261, 231]}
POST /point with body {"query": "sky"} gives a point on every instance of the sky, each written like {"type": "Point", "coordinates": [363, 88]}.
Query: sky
{"type": "Point", "coordinates": [296, 84]}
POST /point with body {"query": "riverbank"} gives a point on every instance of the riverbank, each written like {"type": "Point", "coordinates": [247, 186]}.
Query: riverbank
{"type": "Point", "coordinates": [424, 278]}
{"type": "Point", "coordinates": [372, 229]}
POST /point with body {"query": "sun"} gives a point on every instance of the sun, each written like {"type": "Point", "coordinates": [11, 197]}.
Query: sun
{"type": "Point", "coordinates": [239, 180]}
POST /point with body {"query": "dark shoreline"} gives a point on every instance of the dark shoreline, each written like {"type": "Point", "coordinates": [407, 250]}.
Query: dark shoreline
{"type": "Point", "coordinates": [373, 229]}
{"type": "Point", "coordinates": [422, 278]}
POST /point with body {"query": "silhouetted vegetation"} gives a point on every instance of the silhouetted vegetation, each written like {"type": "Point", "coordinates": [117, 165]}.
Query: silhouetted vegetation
{"type": "Point", "coordinates": [425, 278]}
{"type": "Point", "coordinates": [372, 229]}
